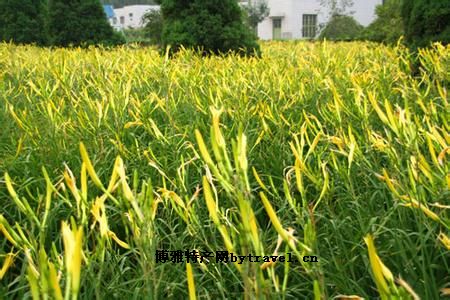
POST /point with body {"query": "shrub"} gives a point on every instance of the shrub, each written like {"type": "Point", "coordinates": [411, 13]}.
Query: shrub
{"type": "Point", "coordinates": [388, 27]}
{"type": "Point", "coordinates": [153, 26]}
{"type": "Point", "coordinates": [426, 21]}
{"type": "Point", "coordinates": [210, 26]}
{"type": "Point", "coordinates": [23, 21]}
{"type": "Point", "coordinates": [78, 23]}
{"type": "Point", "coordinates": [341, 27]}
{"type": "Point", "coordinates": [256, 13]}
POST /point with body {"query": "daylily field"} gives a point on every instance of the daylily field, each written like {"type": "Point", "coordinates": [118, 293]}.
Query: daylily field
{"type": "Point", "coordinates": [332, 150]}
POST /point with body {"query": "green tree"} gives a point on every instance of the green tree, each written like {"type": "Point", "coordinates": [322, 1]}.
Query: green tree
{"type": "Point", "coordinates": [211, 26]}
{"type": "Point", "coordinates": [388, 26]}
{"type": "Point", "coordinates": [337, 7]}
{"type": "Point", "coordinates": [80, 22]}
{"type": "Point", "coordinates": [153, 25]}
{"type": "Point", "coordinates": [23, 21]}
{"type": "Point", "coordinates": [256, 11]}
{"type": "Point", "coordinates": [426, 21]}
{"type": "Point", "coordinates": [341, 27]}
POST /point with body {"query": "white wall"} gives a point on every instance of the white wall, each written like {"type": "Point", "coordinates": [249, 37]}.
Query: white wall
{"type": "Point", "coordinates": [365, 11]}
{"type": "Point", "coordinates": [292, 12]}
{"type": "Point", "coordinates": [132, 15]}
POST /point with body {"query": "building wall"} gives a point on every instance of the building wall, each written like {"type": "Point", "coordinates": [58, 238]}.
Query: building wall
{"type": "Point", "coordinates": [291, 13]}
{"type": "Point", "coordinates": [131, 16]}
{"type": "Point", "coordinates": [365, 11]}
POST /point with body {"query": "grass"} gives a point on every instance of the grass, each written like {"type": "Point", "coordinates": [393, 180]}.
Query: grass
{"type": "Point", "coordinates": [325, 149]}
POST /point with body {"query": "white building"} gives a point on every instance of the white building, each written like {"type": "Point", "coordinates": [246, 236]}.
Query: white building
{"type": "Point", "coordinates": [131, 16]}
{"type": "Point", "coordinates": [288, 19]}
{"type": "Point", "coordinates": [298, 19]}
{"type": "Point", "coordinates": [111, 16]}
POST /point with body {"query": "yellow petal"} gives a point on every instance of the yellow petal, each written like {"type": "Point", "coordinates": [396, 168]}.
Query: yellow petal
{"type": "Point", "coordinates": [445, 240]}
{"type": "Point", "coordinates": [258, 179]}
{"type": "Point", "coordinates": [445, 292]}
{"type": "Point", "coordinates": [76, 263]}
{"type": "Point", "coordinates": [6, 264]}
{"type": "Point", "coordinates": [442, 155]}
{"type": "Point", "coordinates": [89, 166]}
{"type": "Point", "coordinates": [54, 282]}
{"type": "Point", "coordinates": [191, 283]}
{"type": "Point", "coordinates": [427, 211]}
{"type": "Point", "coordinates": [5, 232]}
{"type": "Point", "coordinates": [203, 150]}
{"type": "Point", "coordinates": [376, 266]}
{"type": "Point", "coordinates": [210, 202]}
{"type": "Point", "coordinates": [118, 241]}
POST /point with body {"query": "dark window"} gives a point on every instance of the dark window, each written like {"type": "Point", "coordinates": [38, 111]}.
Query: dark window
{"type": "Point", "coordinates": [309, 26]}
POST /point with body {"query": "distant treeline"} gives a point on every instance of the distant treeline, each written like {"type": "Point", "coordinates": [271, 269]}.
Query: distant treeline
{"type": "Point", "coordinates": [121, 3]}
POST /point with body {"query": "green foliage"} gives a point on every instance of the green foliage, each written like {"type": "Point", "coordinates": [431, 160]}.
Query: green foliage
{"type": "Point", "coordinates": [153, 26]}
{"type": "Point", "coordinates": [210, 26]}
{"type": "Point", "coordinates": [341, 27]}
{"type": "Point", "coordinates": [136, 35]}
{"type": "Point", "coordinates": [388, 27]}
{"type": "Point", "coordinates": [346, 146]}
{"type": "Point", "coordinates": [256, 12]}
{"type": "Point", "coordinates": [337, 7]}
{"type": "Point", "coordinates": [23, 21]}
{"type": "Point", "coordinates": [81, 22]}
{"type": "Point", "coordinates": [426, 21]}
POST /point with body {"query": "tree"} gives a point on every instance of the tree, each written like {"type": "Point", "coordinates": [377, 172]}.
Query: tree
{"type": "Point", "coordinates": [210, 26]}
{"type": "Point", "coordinates": [388, 26]}
{"type": "Point", "coordinates": [426, 21]}
{"type": "Point", "coordinates": [23, 21]}
{"type": "Point", "coordinates": [341, 27]}
{"type": "Point", "coordinates": [337, 7]}
{"type": "Point", "coordinates": [153, 25]}
{"type": "Point", "coordinates": [256, 12]}
{"type": "Point", "coordinates": [80, 22]}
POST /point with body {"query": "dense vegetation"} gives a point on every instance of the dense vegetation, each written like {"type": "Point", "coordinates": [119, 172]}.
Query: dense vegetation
{"type": "Point", "coordinates": [426, 21]}
{"type": "Point", "coordinates": [82, 22]}
{"type": "Point", "coordinates": [23, 21]}
{"type": "Point", "coordinates": [323, 149]}
{"type": "Point", "coordinates": [56, 23]}
{"type": "Point", "coordinates": [153, 26]}
{"type": "Point", "coordinates": [341, 27]}
{"type": "Point", "coordinates": [388, 25]}
{"type": "Point", "coordinates": [209, 26]}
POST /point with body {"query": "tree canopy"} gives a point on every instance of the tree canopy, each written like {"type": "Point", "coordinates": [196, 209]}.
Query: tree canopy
{"type": "Point", "coordinates": [256, 12]}
{"type": "Point", "coordinates": [23, 21]}
{"type": "Point", "coordinates": [388, 26]}
{"type": "Point", "coordinates": [426, 21]}
{"type": "Point", "coordinates": [211, 26]}
{"type": "Point", "coordinates": [337, 7]}
{"type": "Point", "coordinates": [341, 27]}
{"type": "Point", "coordinates": [153, 26]}
{"type": "Point", "coordinates": [80, 22]}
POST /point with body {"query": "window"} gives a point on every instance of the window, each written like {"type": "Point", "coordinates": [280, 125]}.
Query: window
{"type": "Point", "coordinates": [114, 20]}
{"type": "Point", "coordinates": [309, 26]}
{"type": "Point", "coordinates": [122, 20]}
{"type": "Point", "coordinates": [276, 34]}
